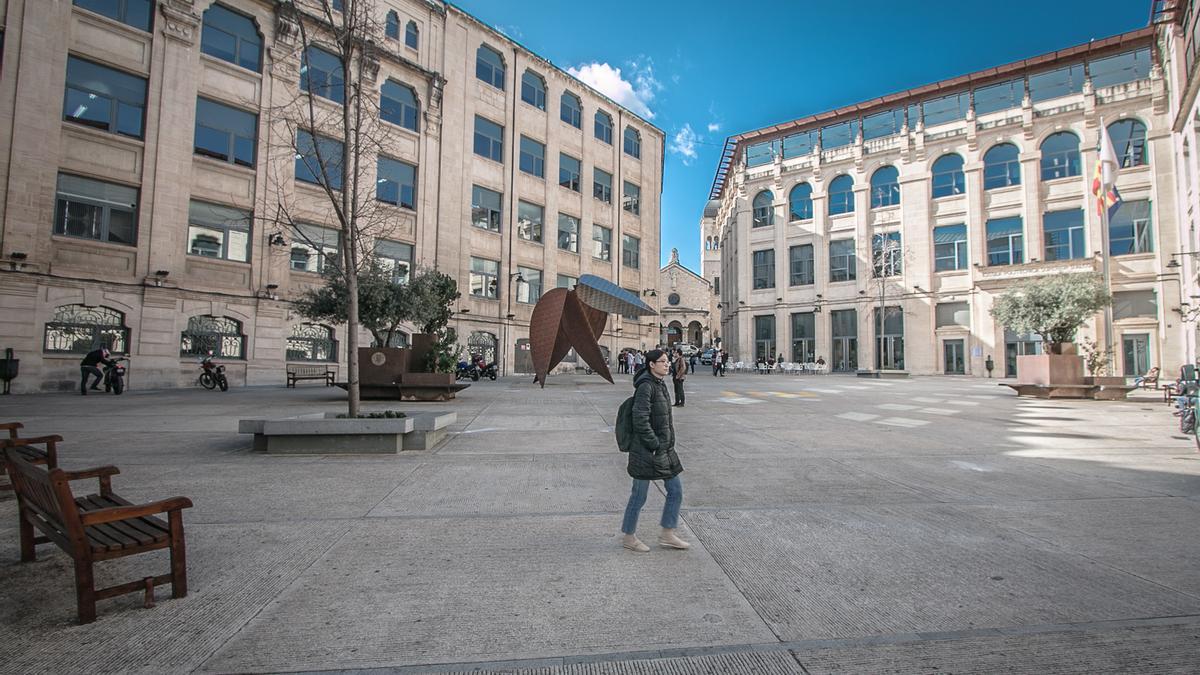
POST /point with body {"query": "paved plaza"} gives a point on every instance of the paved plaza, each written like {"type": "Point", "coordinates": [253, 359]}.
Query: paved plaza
{"type": "Point", "coordinates": [839, 525]}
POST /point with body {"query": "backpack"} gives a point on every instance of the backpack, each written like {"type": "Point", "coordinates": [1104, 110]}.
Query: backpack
{"type": "Point", "coordinates": [624, 425]}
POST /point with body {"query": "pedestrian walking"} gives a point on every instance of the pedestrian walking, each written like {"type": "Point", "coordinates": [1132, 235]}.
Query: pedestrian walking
{"type": "Point", "coordinates": [724, 361]}
{"type": "Point", "coordinates": [678, 375]}
{"type": "Point", "coordinates": [652, 454]}
{"type": "Point", "coordinates": [692, 364]}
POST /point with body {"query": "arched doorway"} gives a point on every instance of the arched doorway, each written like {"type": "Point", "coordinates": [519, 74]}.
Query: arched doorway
{"type": "Point", "coordinates": [674, 333]}
{"type": "Point", "coordinates": [695, 334]}
{"type": "Point", "coordinates": [482, 344]}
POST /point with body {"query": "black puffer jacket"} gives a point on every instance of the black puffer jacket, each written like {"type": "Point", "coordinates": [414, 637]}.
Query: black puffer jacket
{"type": "Point", "coordinates": [652, 456]}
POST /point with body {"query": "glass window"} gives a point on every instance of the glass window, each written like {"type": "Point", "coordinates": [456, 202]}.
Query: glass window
{"type": "Point", "coordinates": [104, 98]}
{"type": "Point", "coordinates": [1060, 156]}
{"type": "Point", "coordinates": [953, 314]}
{"type": "Point", "coordinates": [948, 179]}
{"type": "Point", "coordinates": [231, 36]}
{"type": "Point", "coordinates": [219, 335]}
{"type": "Point", "coordinates": [321, 74]}
{"type": "Point", "coordinates": [1133, 304]}
{"type": "Point", "coordinates": [886, 123]}
{"type": "Point", "coordinates": [602, 185]}
{"type": "Point", "coordinates": [631, 248]}
{"type": "Point", "coordinates": [633, 143]}
{"type": "Point", "coordinates": [800, 261]}
{"type": "Point", "coordinates": [533, 89]}
{"type": "Point", "coordinates": [392, 26]}
{"type": "Point", "coordinates": [78, 329]}
{"type": "Point", "coordinates": [764, 269]}
{"type": "Point", "coordinates": [566, 281]}
{"type": "Point", "coordinates": [1063, 233]}
{"type": "Point", "coordinates": [887, 255]}
{"type": "Point", "coordinates": [312, 247]}
{"type": "Point", "coordinates": [529, 221]}
{"type": "Point", "coordinates": [489, 139]}
{"type": "Point", "coordinates": [530, 289]}
{"type": "Point", "coordinates": [311, 342]}
{"type": "Point", "coordinates": [946, 109]}
{"type": "Point", "coordinates": [412, 35]}
{"type": "Point", "coordinates": [838, 135]}
{"type": "Point", "coordinates": [532, 159]}
{"type": "Point", "coordinates": [764, 337]}
{"type": "Point", "coordinates": [136, 13]}
{"type": "Point", "coordinates": [337, 5]}
{"type": "Point", "coordinates": [570, 110]}
{"type": "Point", "coordinates": [1001, 166]}
{"type": "Point", "coordinates": [484, 275]}
{"type": "Point", "coordinates": [764, 209]}
{"type": "Point", "coordinates": [1129, 230]}
{"type": "Point", "coordinates": [92, 209]}
{"type": "Point", "coordinates": [798, 145]}
{"type": "Point", "coordinates": [604, 127]}
{"type": "Point", "coordinates": [760, 154]}
{"type": "Point", "coordinates": [1005, 245]}
{"type": "Point", "coordinates": [216, 231]}
{"type": "Point", "coordinates": [885, 187]}
{"type": "Point", "coordinates": [225, 133]}
{"type": "Point", "coordinates": [568, 233]}
{"type": "Point", "coordinates": [804, 334]}
{"type": "Point", "coordinates": [601, 242]}
{"type": "Point", "coordinates": [1119, 69]}
{"type": "Point", "coordinates": [949, 248]}
{"type": "Point", "coordinates": [842, 260]}
{"type": "Point", "coordinates": [1055, 83]}
{"type": "Point", "coordinates": [1129, 142]}
{"type": "Point", "coordinates": [396, 183]}
{"type": "Point", "coordinates": [485, 208]}
{"type": "Point", "coordinates": [632, 201]}
{"type": "Point", "coordinates": [318, 161]}
{"type": "Point", "coordinates": [489, 66]}
{"type": "Point", "coordinates": [398, 105]}
{"type": "Point", "coordinates": [841, 195]}
{"type": "Point", "coordinates": [568, 172]}
{"type": "Point", "coordinates": [396, 258]}
{"type": "Point", "coordinates": [1000, 96]}
{"type": "Point", "coordinates": [800, 206]}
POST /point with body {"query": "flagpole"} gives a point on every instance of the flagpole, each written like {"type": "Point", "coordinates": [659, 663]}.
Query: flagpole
{"type": "Point", "coordinates": [1102, 206]}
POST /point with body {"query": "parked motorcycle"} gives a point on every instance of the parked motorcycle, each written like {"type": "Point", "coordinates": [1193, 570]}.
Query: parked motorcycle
{"type": "Point", "coordinates": [114, 375]}
{"type": "Point", "coordinates": [466, 371]}
{"type": "Point", "coordinates": [490, 371]}
{"type": "Point", "coordinates": [212, 375]}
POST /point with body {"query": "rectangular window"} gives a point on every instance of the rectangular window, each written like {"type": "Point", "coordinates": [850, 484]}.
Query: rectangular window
{"type": "Point", "coordinates": [529, 290]}
{"type": "Point", "coordinates": [1120, 69]}
{"type": "Point", "coordinates": [761, 153]}
{"type": "Point", "coordinates": [880, 125]}
{"type": "Point", "coordinates": [566, 281]}
{"type": "Point", "coordinates": [804, 335]}
{"type": "Point", "coordinates": [484, 275]}
{"type": "Point", "coordinates": [225, 133]}
{"type": "Point", "coordinates": [396, 183]}
{"type": "Point", "coordinates": [568, 172]}
{"type": "Point", "coordinates": [529, 221]}
{"type": "Point", "coordinates": [489, 139]}
{"type": "Point", "coordinates": [1130, 231]}
{"type": "Point", "coordinates": [946, 109]}
{"type": "Point", "coordinates": [633, 198]}
{"type": "Point", "coordinates": [602, 185]}
{"type": "Point", "coordinates": [764, 269]}
{"type": "Point", "coordinates": [485, 208]}
{"type": "Point", "coordinates": [798, 145]}
{"type": "Point", "coordinates": [1055, 83]}
{"type": "Point", "coordinates": [764, 337]}
{"type": "Point", "coordinates": [801, 263]}
{"type": "Point", "coordinates": [842, 260]}
{"type": "Point", "coordinates": [1135, 304]}
{"type": "Point", "coordinates": [1001, 96]}
{"type": "Point", "coordinates": [321, 74]}
{"type": "Point", "coordinates": [1063, 233]}
{"type": "Point", "coordinates": [887, 255]}
{"type": "Point", "coordinates": [949, 248]}
{"type": "Point", "coordinates": [630, 251]}
{"type": "Point", "coordinates": [92, 209]}
{"type": "Point", "coordinates": [838, 135]}
{"type": "Point", "coordinates": [1005, 243]}
{"type": "Point", "coordinates": [135, 13]}
{"type": "Point", "coordinates": [104, 98]}
{"type": "Point", "coordinates": [953, 314]}
{"type": "Point", "coordinates": [568, 233]}
{"type": "Point", "coordinates": [313, 247]}
{"type": "Point", "coordinates": [396, 258]}
{"type": "Point", "coordinates": [533, 157]}
{"type": "Point", "coordinates": [601, 242]}
{"type": "Point", "coordinates": [230, 36]}
{"type": "Point", "coordinates": [318, 161]}
{"type": "Point", "coordinates": [716, 285]}
{"type": "Point", "coordinates": [216, 231]}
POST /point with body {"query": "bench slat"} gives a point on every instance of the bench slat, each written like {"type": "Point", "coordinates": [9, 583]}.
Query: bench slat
{"type": "Point", "coordinates": [121, 533]}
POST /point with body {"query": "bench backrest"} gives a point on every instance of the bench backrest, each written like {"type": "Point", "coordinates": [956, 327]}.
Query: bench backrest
{"type": "Point", "coordinates": [47, 494]}
{"type": "Point", "coordinates": [307, 370]}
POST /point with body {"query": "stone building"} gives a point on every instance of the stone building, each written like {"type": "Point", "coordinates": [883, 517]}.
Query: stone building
{"type": "Point", "coordinates": [145, 214]}
{"type": "Point", "coordinates": [686, 304]}
{"type": "Point", "coordinates": [932, 201]}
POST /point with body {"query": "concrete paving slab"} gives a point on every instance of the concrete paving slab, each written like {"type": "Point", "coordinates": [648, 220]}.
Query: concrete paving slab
{"type": "Point", "coordinates": [494, 441]}
{"type": "Point", "coordinates": [712, 483]}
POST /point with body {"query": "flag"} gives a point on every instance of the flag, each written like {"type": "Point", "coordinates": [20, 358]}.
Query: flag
{"type": "Point", "coordinates": [1104, 183]}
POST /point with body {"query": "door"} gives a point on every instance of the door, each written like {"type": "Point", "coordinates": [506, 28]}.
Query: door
{"type": "Point", "coordinates": [845, 354]}
{"type": "Point", "coordinates": [953, 352]}
{"type": "Point", "coordinates": [1136, 349]}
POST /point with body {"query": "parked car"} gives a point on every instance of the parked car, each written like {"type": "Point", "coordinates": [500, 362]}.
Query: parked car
{"type": "Point", "coordinates": [706, 358]}
{"type": "Point", "coordinates": [687, 349]}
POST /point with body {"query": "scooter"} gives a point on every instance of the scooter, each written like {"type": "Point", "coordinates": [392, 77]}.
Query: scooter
{"type": "Point", "coordinates": [212, 375]}
{"type": "Point", "coordinates": [114, 375]}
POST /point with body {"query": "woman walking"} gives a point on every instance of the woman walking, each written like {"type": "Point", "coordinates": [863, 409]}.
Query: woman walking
{"type": "Point", "coordinates": [652, 455]}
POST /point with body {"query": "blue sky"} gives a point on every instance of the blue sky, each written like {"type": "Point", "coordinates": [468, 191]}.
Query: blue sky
{"type": "Point", "coordinates": [708, 69]}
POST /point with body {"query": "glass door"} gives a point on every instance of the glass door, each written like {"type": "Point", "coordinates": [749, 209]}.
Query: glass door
{"type": "Point", "coordinates": [844, 324]}
{"type": "Point", "coordinates": [952, 357]}
{"type": "Point", "coordinates": [1136, 349]}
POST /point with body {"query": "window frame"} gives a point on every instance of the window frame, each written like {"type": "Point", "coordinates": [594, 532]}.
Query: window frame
{"type": "Point", "coordinates": [215, 340]}
{"type": "Point", "coordinates": [380, 181]}
{"type": "Point", "coordinates": [330, 87]}
{"type": "Point", "coordinates": [570, 109]}
{"type": "Point", "coordinates": [632, 145]}
{"type": "Point", "coordinates": [762, 266]}
{"type": "Point", "coordinates": [494, 146]}
{"type": "Point", "coordinates": [326, 336]}
{"type": "Point", "coordinates": [572, 236]}
{"type": "Point", "coordinates": [123, 11]}
{"type": "Point", "coordinates": [113, 119]}
{"type": "Point", "coordinates": [114, 334]}
{"type": "Point", "coordinates": [238, 39]}
{"type": "Point", "coordinates": [568, 178]}
{"type": "Point", "coordinates": [1013, 249]}
{"type": "Point", "coordinates": [408, 111]}
{"type": "Point", "coordinates": [1074, 231]}
{"type": "Point", "coordinates": [106, 206]}
{"type": "Point", "coordinates": [846, 202]}
{"type": "Point", "coordinates": [802, 271]}
{"type": "Point", "coordinates": [763, 213]}
{"type": "Point", "coordinates": [795, 215]}
{"type": "Point", "coordinates": [1072, 166]}
{"type": "Point", "coordinates": [529, 229]}
{"type": "Point", "coordinates": [538, 92]}
{"type": "Point", "coordinates": [492, 218]}
{"type": "Point", "coordinates": [631, 255]}
{"type": "Point", "coordinates": [843, 261]}
{"type": "Point", "coordinates": [886, 192]}
{"type": "Point", "coordinates": [960, 254]}
{"type": "Point", "coordinates": [602, 132]}
{"type": "Point", "coordinates": [602, 243]}
{"type": "Point", "coordinates": [948, 182]}
{"type": "Point", "coordinates": [1012, 168]}
{"type": "Point", "coordinates": [334, 160]}
{"type": "Point", "coordinates": [495, 73]}
{"type": "Point", "coordinates": [631, 202]}
{"type": "Point", "coordinates": [484, 275]}
{"type": "Point", "coordinates": [226, 229]}
{"type": "Point", "coordinates": [232, 135]}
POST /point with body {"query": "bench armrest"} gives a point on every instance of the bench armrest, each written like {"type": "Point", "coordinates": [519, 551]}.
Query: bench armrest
{"type": "Point", "coordinates": [12, 428]}
{"type": "Point", "coordinates": [38, 440]}
{"type": "Point", "coordinates": [104, 473]}
{"type": "Point", "coordinates": [116, 513]}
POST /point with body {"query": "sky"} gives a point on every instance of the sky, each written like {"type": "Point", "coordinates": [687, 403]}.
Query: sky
{"type": "Point", "coordinates": [705, 70]}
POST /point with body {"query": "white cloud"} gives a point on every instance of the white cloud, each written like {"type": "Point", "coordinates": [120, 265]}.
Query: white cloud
{"type": "Point", "coordinates": [635, 93]}
{"type": "Point", "coordinates": [714, 127]}
{"type": "Point", "coordinates": [513, 31]}
{"type": "Point", "coordinates": [684, 143]}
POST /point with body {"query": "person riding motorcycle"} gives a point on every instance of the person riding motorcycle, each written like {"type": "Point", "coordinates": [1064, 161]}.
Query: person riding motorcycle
{"type": "Point", "coordinates": [88, 366]}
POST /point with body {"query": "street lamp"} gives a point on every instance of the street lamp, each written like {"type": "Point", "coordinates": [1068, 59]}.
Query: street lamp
{"type": "Point", "coordinates": [502, 356]}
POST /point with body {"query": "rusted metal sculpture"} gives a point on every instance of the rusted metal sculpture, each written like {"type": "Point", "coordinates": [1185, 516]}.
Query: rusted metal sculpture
{"type": "Point", "coordinates": [563, 319]}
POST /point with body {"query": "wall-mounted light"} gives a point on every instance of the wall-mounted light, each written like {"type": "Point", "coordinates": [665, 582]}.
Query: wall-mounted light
{"type": "Point", "coordinates": [819, 296]}
{"type": "Point", "coordinates": [465, 310]}
{"type": "Point", "coordinates": [862, 292]}
{"type": "Point", "coordinates": [510, 316]}
{"type": "Point", "coordinates": [277, 239]}
{"type": "Point", "coordinates": [160, 276]}
{"type": "Point", "coordinates": [18, 255]}
{"type": "Point", "coordinates": [272, 287]}
{"type": "Point", "coordinates": [650, 292]}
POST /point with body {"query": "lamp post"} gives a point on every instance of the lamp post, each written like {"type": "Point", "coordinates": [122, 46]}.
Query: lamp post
{"type": "Point", "coordinates": [508, 317]}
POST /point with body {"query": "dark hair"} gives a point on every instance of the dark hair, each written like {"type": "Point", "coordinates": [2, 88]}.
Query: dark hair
{"type": "Point", "coordinates": [654, 355]}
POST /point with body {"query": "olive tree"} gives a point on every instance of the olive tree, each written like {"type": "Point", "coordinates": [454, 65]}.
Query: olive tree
{"type": "Point", "coordinates": [1054, 307]}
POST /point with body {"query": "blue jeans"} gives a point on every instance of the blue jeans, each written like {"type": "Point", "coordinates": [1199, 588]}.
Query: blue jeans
{"type": "Point", "coordinates": [637, 498]}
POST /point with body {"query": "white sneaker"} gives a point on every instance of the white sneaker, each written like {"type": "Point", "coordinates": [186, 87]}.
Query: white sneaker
{"type": "Point", "coordinates": [668, 540]}
{"type": "Point", "coordinates": [632, 543]}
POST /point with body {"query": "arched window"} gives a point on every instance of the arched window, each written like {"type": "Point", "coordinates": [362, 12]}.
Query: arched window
{"type": "Point", "coordinates": [948, 179]}
{"type": "Point", "coordinates": [311, 342]}
{"type": "Point", "coordinates": [392, 26]}
{"type": "Point", "coordinates": [533, 90]}
{"type": "Point", "coordinates": [78, 329]}
{"type": "Point", "coordinates": [885, 187]}
{"type": "Point", "coordinates": [482, 344]}
{"type": "Point", "coordinates": [232, 37]}
{"type": "Point", "coordinates": [412, 35]}
{"type": "Point", "coordinates": [1001, 167]}
{"type": "Point", "coordinates": [604, 126]}
{"type": "Point", "coordinates": [398, 105]}
{"type": "Point", "coordinates": [1060, 156]}
{"type": "Point", "coordinates": [489, 66]}
{"type": "Point", "coordinates": [321, 73]}
{"type": "Point", "coordinates": [570, 110]}
{"type": "Point", "coordinates": [800, 206]}
{"type": "Point", "coordinates": [633, 143]}
{"type": "Point", "coordinates": [841, 195]}
{"type": "Point", "coordinates": [220, 335]}
{"type": "Point", "coordinates": [1129, 142]}
{"type": "Point", "coordinates": [764, 209]}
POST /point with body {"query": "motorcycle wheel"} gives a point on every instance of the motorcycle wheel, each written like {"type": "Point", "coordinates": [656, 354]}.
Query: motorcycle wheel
{"type": "Point", "coordinates": [474, 375]}
{"type": "Point", "coordinates": [118, 385]}
{"type": "Point", "coordinates": [223, 383]}
{"type": "Point", "coordinates": [492, 375]}
{"type": "Point", "coordinates": [207, 380]}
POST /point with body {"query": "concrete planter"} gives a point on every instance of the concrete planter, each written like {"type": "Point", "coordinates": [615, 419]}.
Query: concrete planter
{"type": "Point", "coordinates": [883, 374]}
{"type": "Point", "coordinates": [329, 435]}
{"type": "Point", "coordinates": [1047, 369]}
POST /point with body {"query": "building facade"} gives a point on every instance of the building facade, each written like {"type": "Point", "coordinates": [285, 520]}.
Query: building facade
{"type": "Point", "coordinates": [149, 155]}
{"type": "Point", "coordinates": [879, 235]}
{"type": "Point", "coordinates": [687, 305]}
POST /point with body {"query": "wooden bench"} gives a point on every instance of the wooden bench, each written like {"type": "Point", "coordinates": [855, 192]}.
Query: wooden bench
{"type": "Point", "coordinates": [322, 372]}
{"type": "Point", "coordinates": [97, 527]}
{"type": "Point", "coordinates": [27, 448]}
